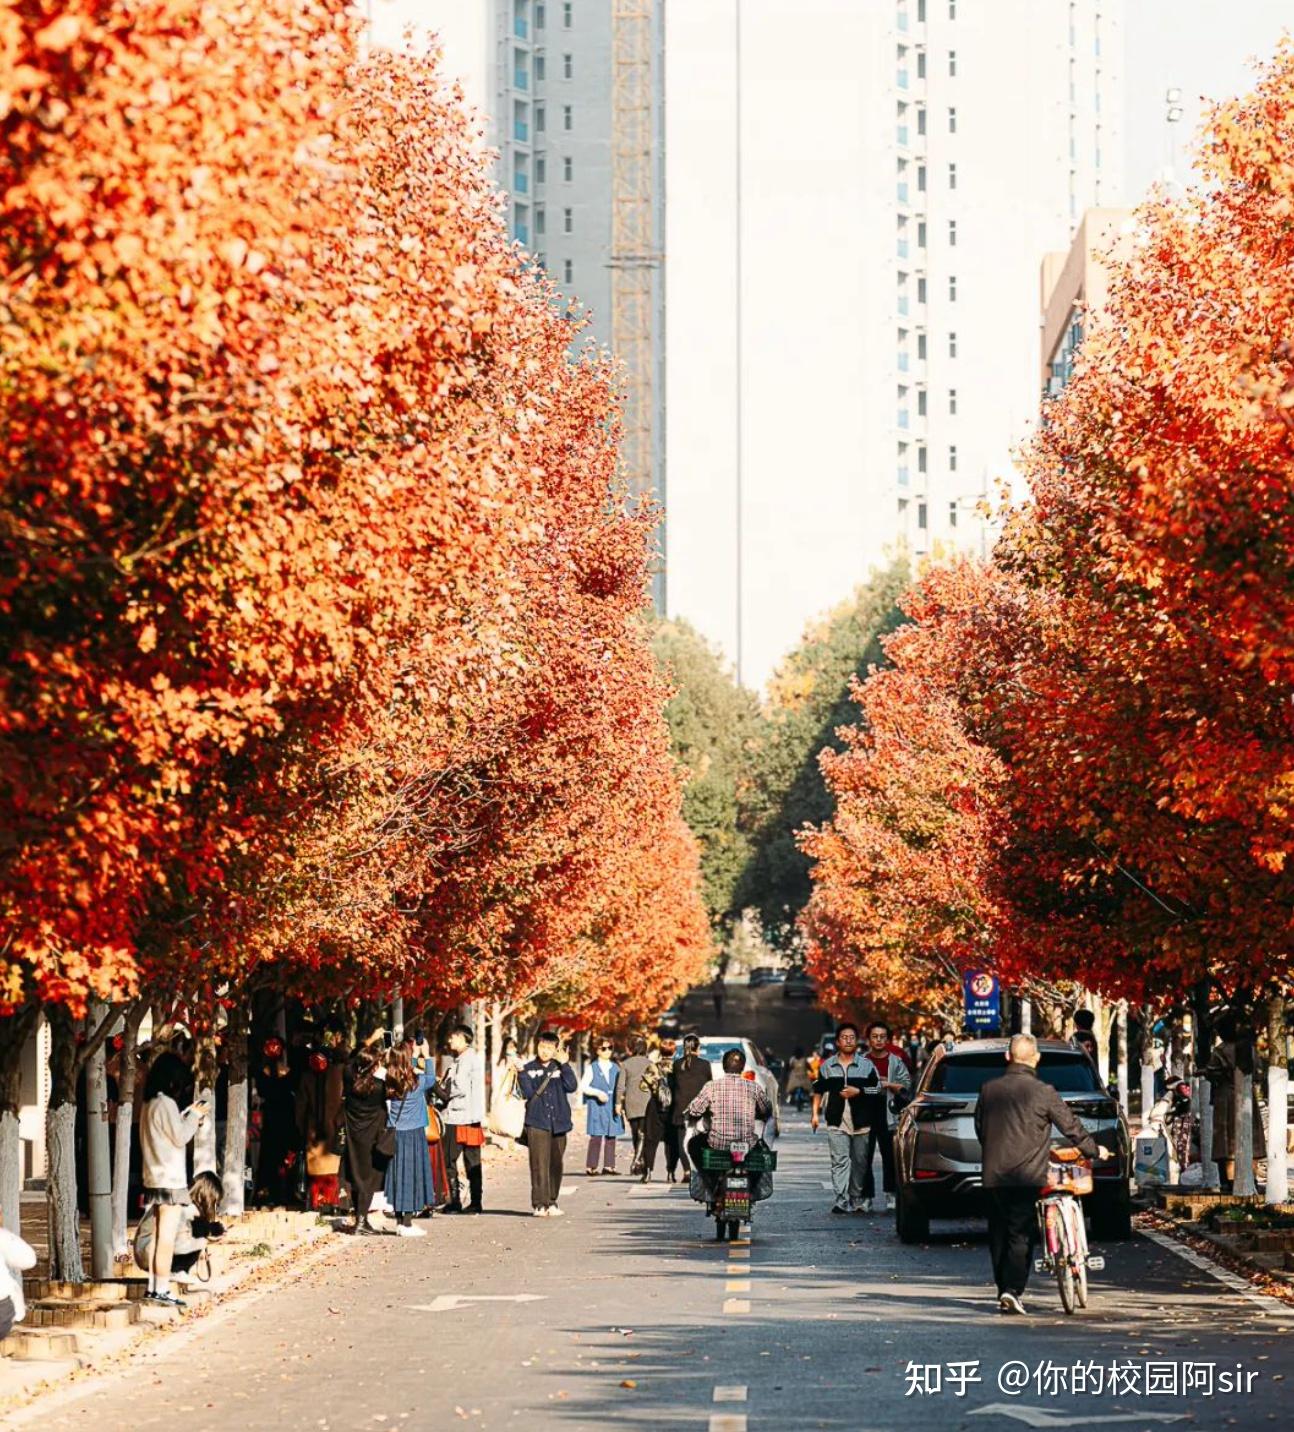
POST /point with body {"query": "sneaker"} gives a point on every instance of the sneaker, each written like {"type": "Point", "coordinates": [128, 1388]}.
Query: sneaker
{"type": "Point", "coordinates": [889, 1203]}
{"type": "Point", "coordinates": [1010, 1303]}
{"type": "Point", "coordinates": [838, 1208]}
{"type": "Point", "coordinates": [540, 1213]}
{"type": "Point", "coordinates": [555, 1212]}
{"type": "Point", "coordinates": [407, 1230]}
{"type": "Point", "coordinates": [866, 1206]}
{"type": "Point", "coordinates": [167, 1300]}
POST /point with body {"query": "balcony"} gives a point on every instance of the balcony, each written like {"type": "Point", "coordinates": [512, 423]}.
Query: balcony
{"type": "Point", "coordinates": [903, 19]}
{"type": "Point", "coordinates": [902, 191]}
{"type": "Point", "coordinates": [520, 79]}
{"type": "Point", "coordinates": [519, 27]}
{"type": "Point", "coordinates": [903, 79]}
{"type": "Point", "coordinates": [903, 305]}
{"type": "Point", "coordinates": [520, 183]}
{"type": "Point", "coordinates": [903, 363]}
{"type": "Point", "coordinates": [903, 248]}
{"type": "Point", "coordinates": [903, 418]}
{"type": "Point", "coordinates": [903, 135]}
{"type": "Point", "coordinates": [520, 130]}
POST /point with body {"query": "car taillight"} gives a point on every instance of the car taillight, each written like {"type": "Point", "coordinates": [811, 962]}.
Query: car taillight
{"type": "Point", "coordinates": [925, 1174]}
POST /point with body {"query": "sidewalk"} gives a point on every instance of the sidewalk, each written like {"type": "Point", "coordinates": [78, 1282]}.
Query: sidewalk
{"type": "Point", "coordinates": [1247, 1235]}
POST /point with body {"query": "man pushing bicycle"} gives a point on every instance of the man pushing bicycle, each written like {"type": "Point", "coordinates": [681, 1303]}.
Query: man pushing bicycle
{"type": "Point", "coordinates": [1014, 1119]}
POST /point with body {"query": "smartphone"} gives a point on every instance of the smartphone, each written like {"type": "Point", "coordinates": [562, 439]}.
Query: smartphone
{"type": "Point", "coordinates": [388, 1039]}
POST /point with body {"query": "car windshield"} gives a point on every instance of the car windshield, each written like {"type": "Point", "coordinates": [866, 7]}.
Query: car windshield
{"type": "Point", "coordinates": [967, 1073]}
{"type": "Point", "coordinates": [715, 1049]}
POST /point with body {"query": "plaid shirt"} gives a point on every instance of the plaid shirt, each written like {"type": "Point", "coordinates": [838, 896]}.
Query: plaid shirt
{"type": "Point", "coordinates": [733, 1103]}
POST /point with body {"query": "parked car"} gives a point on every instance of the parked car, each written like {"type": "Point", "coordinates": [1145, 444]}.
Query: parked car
{"type": "Point", "coordinates": [799, 986]}
{"type": "Point", "coordinates": [715, 1046]}
{"type": "Point", "coordinates": [759, 976]}
{"type": "Point", "coordinates": [937, 1153]}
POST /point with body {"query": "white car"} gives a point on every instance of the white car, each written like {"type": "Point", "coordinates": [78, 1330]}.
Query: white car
{"type": "Point", "coordinates": [715, 1046]}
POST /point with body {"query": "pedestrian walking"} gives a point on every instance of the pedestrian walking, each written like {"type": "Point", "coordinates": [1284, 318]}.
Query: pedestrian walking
{"type": "Point", "coordinates": [603, 1091]}
{"type": "Point", "coordinates": [408, 1183]}
{"type": "Point", "coordinates": [507, 1107]}
{"type": "Point", "coordinates": [364, 1118]}
{"type": "Point", "coordinates": [716, 995]}
{"type": "Point", "coordinates": [884, 1099]}
{"type": "Point", "coordinates": [691, 1075]}
{"type": "Point", "coordinates": [547, 1082]}
{"type": "Point", "coordinates": [673, 1137]}
{"type": "Point", "coordinates": [655, 1084]}
{"type": "Point", "coordinates": [16, 1257]}
{"type": "Point", "coordinates": [166, 1128]}
{"type": "Point", "coordinates": [839, 1098]}
{"type": "Point", "coordinates": [633, 1103]}
{"type": "Point", "coordinates": [798, 1085]}
{"type": "Point", "coordinates": [463, 1092]}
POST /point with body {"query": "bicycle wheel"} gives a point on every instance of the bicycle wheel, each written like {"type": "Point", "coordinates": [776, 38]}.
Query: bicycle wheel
{"type": "Point", "coordinates": [1079, 1243]}
{"type": "Point", "coordinates": [1063, 1264]}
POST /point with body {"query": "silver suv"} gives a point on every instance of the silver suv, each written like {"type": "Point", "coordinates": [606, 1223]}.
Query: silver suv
{"type": "Point", "coordinates": [937, 1154]}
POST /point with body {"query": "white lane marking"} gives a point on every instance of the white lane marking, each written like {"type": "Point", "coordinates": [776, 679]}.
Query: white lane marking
{"type": "Point", "coordinates": [1041, 1417]}
{"type": "Point", "coordinates": [736, 1305]}
{"type": "Point", "coordinates": [737, 1285]}
{"type": "Point", "coordinates": [1224, 1275]}
{"type": "Point", "coordinates": [727, 1422]}
{"type": "Point", "coordinates": [730, 1392]}
{"type": "Point", "coordinates": [447, 1302]}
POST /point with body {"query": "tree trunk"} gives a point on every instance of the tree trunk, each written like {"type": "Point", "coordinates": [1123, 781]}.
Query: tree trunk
{"type": "Point", "coordinates": [1277, 1186]}
{"type": "Point", "coordinates": [98, 1158]}
{"type": "Point", "coordinates": [1209, 1176]}
{"type": "Point", "coordinates": [1121, 1037]}
{"type": "Point", "coordinates": [236, 1111]}
{"type": "Point", "coordinates": [1026, 1016]}
{"type": "Point", "coordinates": [397, 1017]}
{"type": "Point", "coordinates": [126, 1081]}
{"type": "Point", "coordinates": [1147, 1063]}
{"type": "Point", "coordinates": [64, 1222]}
{"type": "Point", "coordinates": [1243, 1128]}
{"type": "Point", "coordinates": [15, 1031]}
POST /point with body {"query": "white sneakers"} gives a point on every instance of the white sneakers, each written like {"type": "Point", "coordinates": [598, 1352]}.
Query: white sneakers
{"type": "Point", "coordinates": [540, 1213]}
{"type": "Point", "coordinates": [555, 1212]}
{"type": "Point", "coordinates": [889, 1203]}
{"type": "Point", "coordinates": [407, 1230]}
{"type": "Point", "coordinates": [1010, 1303]}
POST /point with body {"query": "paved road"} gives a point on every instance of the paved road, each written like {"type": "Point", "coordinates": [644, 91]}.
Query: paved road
{"type": "Point", "coordinates": [641, 1322]}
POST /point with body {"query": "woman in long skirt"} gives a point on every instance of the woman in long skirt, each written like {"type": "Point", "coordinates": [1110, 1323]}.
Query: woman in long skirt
{"type": "Point", "coordinates": [364, 1116]}
{"type": "Point", "coordinates": [409, 1187]}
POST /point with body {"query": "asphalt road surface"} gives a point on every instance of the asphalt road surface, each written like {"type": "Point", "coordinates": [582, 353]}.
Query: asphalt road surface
{"type": "Point", "coordinates": [625, 1314]}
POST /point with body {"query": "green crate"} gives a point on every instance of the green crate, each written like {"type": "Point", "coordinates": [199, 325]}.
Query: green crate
{"type": "Point", "coordinates": [756, 1161]}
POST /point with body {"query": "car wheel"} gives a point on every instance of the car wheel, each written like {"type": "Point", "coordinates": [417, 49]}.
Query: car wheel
{"type": "Point", "coordinates": [910, 1223]}
{"type": "Point", "coordinates": [1112, 1219]}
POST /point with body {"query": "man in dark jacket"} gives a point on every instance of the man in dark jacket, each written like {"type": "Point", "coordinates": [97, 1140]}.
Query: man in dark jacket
{"type": "Point", "coordinates": [1014, 1119]}
{"type": "Point", "coordinates": [690, 1075]}
{"type": "Point", "coordinates": [546, 1084]}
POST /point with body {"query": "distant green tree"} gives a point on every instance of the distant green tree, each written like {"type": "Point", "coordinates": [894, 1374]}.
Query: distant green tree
{"type": "Point", "coordinates": [713, 724]}
{"type": "Point", "coordinates": [808, 700]}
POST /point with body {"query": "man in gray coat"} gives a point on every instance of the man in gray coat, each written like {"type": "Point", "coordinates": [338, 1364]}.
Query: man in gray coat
{"type": "Point", "coordinates": [633, 1097]}
{"type": "Point", "coordinates": [463, 1087]}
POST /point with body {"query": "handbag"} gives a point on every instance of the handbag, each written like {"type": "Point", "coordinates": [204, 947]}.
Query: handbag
{"type": "Point", "coordinates": [508, 1109]}
{"type": "Point", "coordinates": [384, 1144]}
{"type": "Point", "coordinates": [435, 1127]}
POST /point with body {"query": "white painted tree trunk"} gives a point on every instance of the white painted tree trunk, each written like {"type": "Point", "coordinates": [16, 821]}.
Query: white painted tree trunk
{"type": "Point", "coordinates": [1121, 1038]}
{"type": "Point", "coordinates": [1147, 1092]}
{"type": "Point", "coordinates": [64, 1225]}
{"type": "Point", "coordinates": [1026, 1016]}
{"type": "Point", "coordinates": [1243, 1135]}
{"type": "Point", "coordinates": [1204, 1102]}
{"type": "Point", "coordinates": [235, 1146]}
{"type": "Point", "coordinates": [10, 1171]}
{"type": "Point", "coordinates": [98, 1164]}
{"type": "Point", "coordinates": [204, 1141]}
{"type": "Point", "coordinates": [121, 1179]}
{"type": "Point", "coordinates": [1277, 1189]}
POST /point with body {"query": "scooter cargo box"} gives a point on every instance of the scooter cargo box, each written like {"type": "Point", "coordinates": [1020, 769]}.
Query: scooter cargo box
{"type": "Point", "coordinates": [760, 1159]}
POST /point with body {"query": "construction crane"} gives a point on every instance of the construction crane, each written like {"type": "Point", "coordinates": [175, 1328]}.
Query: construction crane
{"type": "Point", "coordinates": [634, 256]}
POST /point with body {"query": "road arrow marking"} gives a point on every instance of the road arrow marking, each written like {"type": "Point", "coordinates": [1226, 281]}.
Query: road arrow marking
{"type": "Point", "coordinates": [447, 1302]}
{"type": "Point", "coordinates": [1041, 1417]}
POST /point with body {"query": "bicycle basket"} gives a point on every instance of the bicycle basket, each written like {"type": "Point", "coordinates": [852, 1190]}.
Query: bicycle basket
{"type": "Point", "coordinates": [1075, 1177]}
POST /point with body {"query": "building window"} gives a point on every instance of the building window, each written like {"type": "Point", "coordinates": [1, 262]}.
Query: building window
{"type": "Point", "coordinates": [921, 119]}
{"type": "Point", "coordinates": [952, 402]}
{"type": "Point", "coordinates": [921, 402]}
{"type": "Point", "coordinates": [568, 117]}
{"type": "Point", "coordinates": [568, 221]}
{"type": "Point", "coordinates": [568, 168]}
{"type": "Point", "coordinates": [903, 508]}
{"type": "Point", "coordinates": [568, 67]}
{"type": "Point", "coordinates": [952, 176]}
{"type": "Point", "coordinates": [921, 347]}
{"type": "Point", "coordinates": [921, 64]}
{"type": "Point", "coordinates": [921, 458]}
{"type": "Point", "coordinates": [903, 465]}
{"type": "Point", "coordinates": [568, 15]}
{"type": "Point", "coordinates": [952, 345]}
{"type": "Point", "coordinates": [539, 220]}
{"type": "Point", "coordinates": [952, 119]}
{"type": "Point", "coordinates": [952, 9]}
{"type": "Point", "coordinates": [952, 64]}
{"type": "Point", "coordinates": [921, 516]}
{"type": "Point", "coordinates": [952, 288]}
{"type": "Point", "coordinates": [921, 178]}
{"type": "Point", "coordinates": [568, 271]}
{"type": "Point", "coordinates": [921, 12]}
{"type": "Point", "coordinates": [520, 78]}
{"type": "Point", "coordinates": [952, 459]}
{"type": "Point", "coordinates": [952, 233]}
{"type": "Point", "coordinates": [541, 118]}
{"type": "Point", "coordinates": [952, 514]}
{"type": "Point", "coordinates": [541, 169]}
{"type": "Point", "coordinates": [921, 234]}
{"type": "Point", "coordinates": [921, 289]}
{"type": "Point", "coordinates": [541, 16]}
{"type": "Point", "coordinates": [541, 69]}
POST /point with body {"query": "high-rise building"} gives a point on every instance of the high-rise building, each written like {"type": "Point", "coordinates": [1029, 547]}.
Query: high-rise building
{"type": "Point", "coordinates": [1075, 289]}
{"type": "Point", "coordinates": [571, 96]}
{"type": "Point", "coordinates": [858, 195]}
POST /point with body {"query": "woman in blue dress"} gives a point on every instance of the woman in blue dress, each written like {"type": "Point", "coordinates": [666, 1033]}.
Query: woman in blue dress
{"type": "Point", "coordinates": [603, 1090]}
{"type": "Point", "coordinates": [409, 1187]}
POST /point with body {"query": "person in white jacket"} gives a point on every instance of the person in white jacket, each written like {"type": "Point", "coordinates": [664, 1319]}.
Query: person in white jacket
{"type": "Point", "coordinates": [165, 1132]}
{"type": "Point", "coordinates": [16, 1257]}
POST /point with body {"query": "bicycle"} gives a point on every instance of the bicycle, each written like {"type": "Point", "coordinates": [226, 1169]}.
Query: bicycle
{"type": "Point", "coordinates": [1061, 1229]}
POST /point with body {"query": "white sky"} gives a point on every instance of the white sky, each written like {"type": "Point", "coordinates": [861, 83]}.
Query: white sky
{"type": "Point", "coordinates": [1201, 47]}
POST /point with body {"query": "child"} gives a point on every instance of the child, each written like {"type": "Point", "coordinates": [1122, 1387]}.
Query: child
{"type": "Point", "coordinates": [15, 1258]}
{"type": "Point", "coordinates": [197, 1225]}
